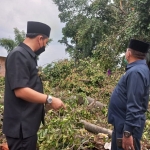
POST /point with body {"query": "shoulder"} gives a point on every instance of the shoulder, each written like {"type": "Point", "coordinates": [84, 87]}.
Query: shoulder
{"type": "Point", "coordinates": [139, 69]}
{"type": "Point", "coordinates": [18, 56]}
{"type": "Point", "coordinates": [138, 72]}
{"type": "Point", "coordinates": [18, 52]}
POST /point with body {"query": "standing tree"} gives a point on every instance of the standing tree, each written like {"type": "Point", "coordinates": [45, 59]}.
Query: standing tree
{"type": "Point", "coordinates": [87, 24]}
{"type": "Point", "coordinates": [10, 44]}
{"type": "Point", "coordinates": [103, 28]}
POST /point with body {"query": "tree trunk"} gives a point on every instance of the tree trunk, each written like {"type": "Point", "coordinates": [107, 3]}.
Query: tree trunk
{"type": "Point", "coordinates": [95, 103]}
{"type": "Point", "coordinates": [96, 129]}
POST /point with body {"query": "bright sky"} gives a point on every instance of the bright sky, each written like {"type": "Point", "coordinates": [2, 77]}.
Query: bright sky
{"type": "Point", "coordinates": [16, 13]}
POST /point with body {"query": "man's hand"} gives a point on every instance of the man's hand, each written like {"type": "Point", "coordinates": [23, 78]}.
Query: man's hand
{"type": "Point", "coordinates": [127, 143]}
{"type": "Point", "coordinates": [57, 104]}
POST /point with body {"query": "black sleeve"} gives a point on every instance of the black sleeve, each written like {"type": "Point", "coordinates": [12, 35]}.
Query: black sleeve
{"type": "Point", "coordinates": [17, 70]}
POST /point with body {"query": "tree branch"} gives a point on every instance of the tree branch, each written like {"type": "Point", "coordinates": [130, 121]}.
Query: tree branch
{"type": "Point", "coordinates": [96, 129]}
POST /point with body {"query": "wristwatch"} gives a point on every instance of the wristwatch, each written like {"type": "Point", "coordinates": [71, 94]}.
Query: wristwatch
{"type": "Point", "coordinates": [49, 99]}
{"type": "Point", "coordinates": [126, 134]}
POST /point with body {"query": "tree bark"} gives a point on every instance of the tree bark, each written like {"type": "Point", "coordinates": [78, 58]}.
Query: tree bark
{"type": "Point", "coordinates": [95, 103]}
{"type": "Point", "coordinates": [96, 129]}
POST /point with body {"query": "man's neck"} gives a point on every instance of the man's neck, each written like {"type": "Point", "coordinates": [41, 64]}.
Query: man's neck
{"type": "Point", "coordinates": [132, 60]}
{"type": "Point", "coordinates": [30, 43]}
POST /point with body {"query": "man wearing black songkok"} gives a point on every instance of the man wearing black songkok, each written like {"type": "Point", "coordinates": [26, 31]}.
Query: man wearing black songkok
{"type": "Point", "coordinates": [24, 99]}
{"type": "Point", "coordinates": [129, 100]}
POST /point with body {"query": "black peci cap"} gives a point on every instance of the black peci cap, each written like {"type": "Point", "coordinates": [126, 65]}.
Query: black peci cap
{"type": "Point", "coordinates": [138, 46]}
{"type": "Point", "coordinates": [38, 27]}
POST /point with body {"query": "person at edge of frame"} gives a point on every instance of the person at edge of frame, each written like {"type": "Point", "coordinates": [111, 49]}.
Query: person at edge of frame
{"type": "Point", "coordinates": [129, 100]}
{"type": "Point", "coordinates": [24, 99]}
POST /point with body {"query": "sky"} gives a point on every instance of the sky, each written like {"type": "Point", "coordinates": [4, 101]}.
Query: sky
{"type": "Point", "coordinates": [16, 13]}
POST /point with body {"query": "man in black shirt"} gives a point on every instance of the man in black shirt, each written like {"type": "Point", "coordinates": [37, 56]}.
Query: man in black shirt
{"type": "Point", "coordinates": [24, 99]}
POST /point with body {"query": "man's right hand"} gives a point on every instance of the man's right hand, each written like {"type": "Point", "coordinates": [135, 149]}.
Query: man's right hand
{"type": "Point", "coordinates": [57, 103]}
{"type": "Point", "coordinates": [128, 143]}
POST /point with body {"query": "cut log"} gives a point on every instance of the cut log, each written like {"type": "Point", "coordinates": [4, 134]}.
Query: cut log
{"type": "Point", "coordinates": [95, 103]}
{"type": "Point", "coordinates": [96, 129]}
{"type": "Point", "coordinates": [91, 101]}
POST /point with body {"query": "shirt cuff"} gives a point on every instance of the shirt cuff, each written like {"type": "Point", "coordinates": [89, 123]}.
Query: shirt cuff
{"type": "Point", "coordinates": [18, 83]}
{"type": "Point", "coordinates": [128, 128]}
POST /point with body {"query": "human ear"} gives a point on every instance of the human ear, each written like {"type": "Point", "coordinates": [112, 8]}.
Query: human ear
{"type": "Point", "coordinates": [129, 53]}
{"type": "Point", "coordinates": [39, 37]}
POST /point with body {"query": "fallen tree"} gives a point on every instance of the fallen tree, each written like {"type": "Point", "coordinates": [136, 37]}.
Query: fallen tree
{"type": "Point", "coordinates": [96, 129]}
{"type": "Point", "coordinates": [91, 102]}
{"type": "Point", "coordinates": [95, 103]}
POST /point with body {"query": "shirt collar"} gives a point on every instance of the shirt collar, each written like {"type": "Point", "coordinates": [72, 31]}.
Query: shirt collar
{"type": "Point", "coordinates": [26, 47]}
{"type": "Point", "coordinates": [135, 63]}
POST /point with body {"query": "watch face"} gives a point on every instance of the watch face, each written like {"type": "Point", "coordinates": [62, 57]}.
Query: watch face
{"type": "Point", "coordinates": [127, 134]}
{"type": "Point", "coordinates": [49, 99]}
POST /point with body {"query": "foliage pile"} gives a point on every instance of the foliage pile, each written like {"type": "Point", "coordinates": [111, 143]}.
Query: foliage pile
{"type": "Point", "coordinates": [72, 84]}
{"type": "Point", "coordinates": [1, 88]}
{"type": "Point", "coordinates": [1, 107]}
{"type": "Point", "coordinates": [63, 129]}
{"type": "Point", "coordinates": [86, 77]}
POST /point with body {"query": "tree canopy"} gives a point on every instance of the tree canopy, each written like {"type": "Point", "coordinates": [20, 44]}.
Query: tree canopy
{"type": "Point", "coordinates": [103, 28]}
{"type": "Point", "coordinates": [10, 44]}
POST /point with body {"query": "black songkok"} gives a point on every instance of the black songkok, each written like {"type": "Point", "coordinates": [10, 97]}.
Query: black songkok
{"type": "Point", "coordinates": [138, 46]}
{"type": "Point", "coordinates": [38, 27]}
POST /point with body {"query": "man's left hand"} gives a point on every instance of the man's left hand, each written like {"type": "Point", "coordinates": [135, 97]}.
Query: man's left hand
{"type": "Point", "coordinates": [127, 143]}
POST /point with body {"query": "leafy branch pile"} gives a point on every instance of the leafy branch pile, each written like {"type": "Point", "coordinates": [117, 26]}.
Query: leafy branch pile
{"type": "Point", "coordinates": [1, 107]}
{"type": "Point", "coordinates": [63, 130]}
{"type": "Point", "coordinates": [86, 77]}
